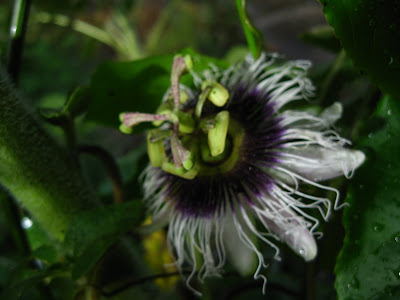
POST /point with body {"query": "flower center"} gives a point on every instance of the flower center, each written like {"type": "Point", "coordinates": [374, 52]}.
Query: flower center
{"type": "Point", "coordinates": [206, 145]}
{"type": "Point", "coordinates": [195, 137]}
{"type": "Point", "coordinates": [226, 161]}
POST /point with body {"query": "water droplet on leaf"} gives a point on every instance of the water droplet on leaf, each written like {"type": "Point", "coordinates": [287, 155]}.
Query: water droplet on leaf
{"type": "Point", "coordinates": [378, 227]}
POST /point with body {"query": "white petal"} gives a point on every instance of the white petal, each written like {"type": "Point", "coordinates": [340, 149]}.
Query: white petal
{"type": "Point", "coordinates": [301, 241]}
{"type": "Point", "coordinates": [294, 232]}
{"type": "Point", "coordinates": [317, 163]}
{"type": "Point", "coordinates": [242, 257]}
{"type": "Point", "coordinates": [332, 113]}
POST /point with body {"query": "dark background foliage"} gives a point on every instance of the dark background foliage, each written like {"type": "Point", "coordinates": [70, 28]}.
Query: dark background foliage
{"type": "Point", "coordinates": [111, 48]}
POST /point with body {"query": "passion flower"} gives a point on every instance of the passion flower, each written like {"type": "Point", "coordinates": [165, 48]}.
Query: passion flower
{"type": "Point", "coordinates": [229, 164]}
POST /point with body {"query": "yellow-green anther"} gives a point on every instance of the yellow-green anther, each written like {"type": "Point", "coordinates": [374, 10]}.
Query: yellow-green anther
{"type": "Point", "coordinates": [188, 163]}
{"type": "Point", "coordinates": [181, 172]}
{"type": "Point", "coordinates": [218, 95]}
{"type": "Point", "coordinates": [155, 151]}
{"type": "Point", "coordinates": [188, 62]}
{"type": "Point", "coordinates": [183, 96]}
{"type": "Point", "coordinates": [186, 122]}
{"type": "Point", "coordinates": [125, 129]}
{"type": "Point", "coordinates": [200, 102]}
{"type": "Point", "coordinates": [217, 135]}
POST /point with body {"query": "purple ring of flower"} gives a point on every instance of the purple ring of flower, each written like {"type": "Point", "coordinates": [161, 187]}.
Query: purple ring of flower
{"type": "Point", "coordinates": [205, 196]}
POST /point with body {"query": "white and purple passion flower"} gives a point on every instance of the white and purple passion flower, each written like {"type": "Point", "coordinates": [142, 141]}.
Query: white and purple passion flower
{"type": "Point", "coordinates": [230, 166]}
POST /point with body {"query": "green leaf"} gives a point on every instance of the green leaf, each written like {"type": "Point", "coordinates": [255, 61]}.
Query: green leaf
{"type": "Point", "coordinates": [136, 86]}
{"type": "Point", "coordinates": [369, 264]}
{"type": "Point", "coordinates": [323, 37]}
{"type": "Point", "coordinates": [46, 253]}
{"type": "Point", "coordinates": [91, 233]}
{"type": "Point", "coordinates": [76, 105]}
{"type": "Point", "coordinates": [236, 54]}
{"type": "Point", "coordinates": [23, 280]}
{"type": "Point", "coordinates": [369, 31]}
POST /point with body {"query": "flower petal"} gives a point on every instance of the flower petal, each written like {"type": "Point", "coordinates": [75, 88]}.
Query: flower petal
{"type": "Point", "coordinates": [242, 257]}
{"type": "Point", "coordinates": [294, 232]}
{"type": "Point", "coordinates": [317, 163]}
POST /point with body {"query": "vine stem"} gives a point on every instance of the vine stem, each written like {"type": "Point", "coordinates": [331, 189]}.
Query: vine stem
{"type": "Point", "coordinates": [139, 281]}
{"type": "Point", "coordinates": [19, 19]}
{"type": "Point", "coordinates": [110, 166]}
{"type": "Point", "coordinates": [253, 36]}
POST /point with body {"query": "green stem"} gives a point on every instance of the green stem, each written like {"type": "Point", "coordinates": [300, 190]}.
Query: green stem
{"type": "Point", "coordinates": [69, 131]}
{"type": "Point", "coordinates": [19, 19]}
{"type": "Point", "coordinates": [253, 36]}
{"type": "Point", "coordinates": [35, 170]}
{"type": "Point", "coordinates": [110, 166]}
{"type": "Point", "coordinates": [157, 30]}
{"type": "Point", "coordinates": [77, 25]}
{"type": "Point", "coordinates": [140, 281]}
{"type": "Point", "coordinates": [118, 35]}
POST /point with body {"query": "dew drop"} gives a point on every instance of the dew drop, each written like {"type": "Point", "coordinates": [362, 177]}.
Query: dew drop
{"type": "Point", "coordinates": [370, 135]}
{"type": "Point", "coordinates": [397, 239]}
{"type": "Point", "coordinates": [390, 111]}
{"type": "Point", "coordinates": [26, 223]}
{"type": "Point", "coordinates": [302, 251]}
{"type": "Point", "coordinates": [378, 227]}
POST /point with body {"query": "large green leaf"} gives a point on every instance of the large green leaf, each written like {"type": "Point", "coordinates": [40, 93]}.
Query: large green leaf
{"type": "Point", "coordinates": [369, 31]}
{"type": "Point", "coordinates": [91, 233]}
{"type": "Point", "coordinates": [368, 266]}
{"type": "Point", "coordinates": [135, 86]}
